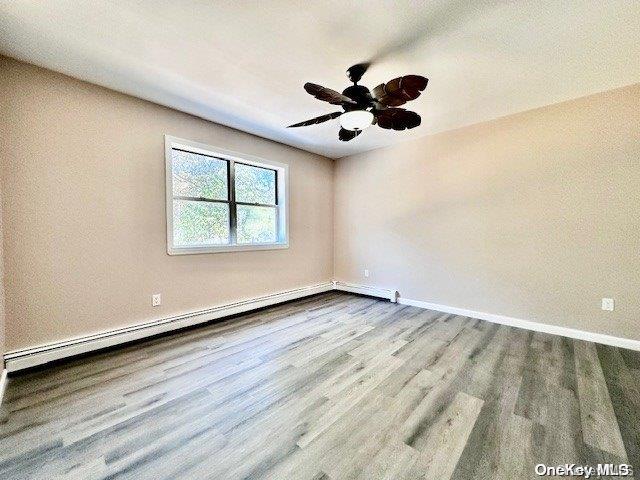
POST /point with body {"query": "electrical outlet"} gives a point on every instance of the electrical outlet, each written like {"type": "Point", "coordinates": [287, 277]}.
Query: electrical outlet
{"type": "Point", "coordinates": [607, 304]}
{"type": "Point", "coordinates": [366, 273]}
{"type": "Point", "coordinates": [156, 300]}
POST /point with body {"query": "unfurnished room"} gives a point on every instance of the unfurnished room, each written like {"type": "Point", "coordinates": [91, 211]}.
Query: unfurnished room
{"type": "Point", "coordinates": [319, 240]}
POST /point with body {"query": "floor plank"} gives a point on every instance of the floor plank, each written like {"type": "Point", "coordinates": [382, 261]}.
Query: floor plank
{"type": "Point", "coordinates": [599, 426]}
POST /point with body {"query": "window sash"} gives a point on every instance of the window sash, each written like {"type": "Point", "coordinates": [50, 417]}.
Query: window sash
{"type": "Point", "coordinates": [203, 199]}
{"type": "Point", "coordinates": [277, 214]}
{"type": "Point", "coordinates": [263, 168]}
{"type": "Point", "coordinates": [231, 201]}
{"type": "Point", "coordinates": [200, 245]}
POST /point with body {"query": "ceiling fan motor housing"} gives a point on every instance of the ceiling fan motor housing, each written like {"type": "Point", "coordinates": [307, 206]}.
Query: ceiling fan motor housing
{"type": "Point", "coordinates": [359, 94]}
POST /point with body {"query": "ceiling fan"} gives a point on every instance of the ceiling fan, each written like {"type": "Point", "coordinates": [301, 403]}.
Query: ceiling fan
{"type": "Point", "coordinates": [363, 108]}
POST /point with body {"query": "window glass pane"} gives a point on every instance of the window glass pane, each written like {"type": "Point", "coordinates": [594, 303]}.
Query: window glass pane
{"type": "Point", "coordinates": [256, 224]}
{"type": "Point", "coordinates": [200, 223]}
{"type": "Point", "coordinates": [197, 175]}
{"type": "Point", "coordinates": [255, 184]}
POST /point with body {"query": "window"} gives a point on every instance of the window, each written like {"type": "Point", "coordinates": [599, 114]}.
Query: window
{"type": "Point", "coordinates": [220, 201]}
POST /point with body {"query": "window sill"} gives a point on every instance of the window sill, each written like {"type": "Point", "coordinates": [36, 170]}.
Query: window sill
{"type": "Point", "coordinates": [225, 248]}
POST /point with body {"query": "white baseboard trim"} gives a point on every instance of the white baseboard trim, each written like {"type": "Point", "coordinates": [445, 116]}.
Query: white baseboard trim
{"type": "Point", "coordinates": [34, 356]}
{"type": "Point", "coordinates": [42, 354]}
{"type": "Point", "coordinates": [3, 384]}
{"type": "Point", "coordinates": [391, 295]}
{"type": "Point", "coordinates": [528, 325]}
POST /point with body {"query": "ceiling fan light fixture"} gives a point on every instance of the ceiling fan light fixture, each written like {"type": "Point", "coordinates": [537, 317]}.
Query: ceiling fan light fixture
{"type": "Point", "coordinates": [356, 120]}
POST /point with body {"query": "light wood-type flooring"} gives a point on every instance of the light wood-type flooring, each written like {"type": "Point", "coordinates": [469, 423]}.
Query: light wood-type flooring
{"type": "Point", "coordinates": [334, 386]}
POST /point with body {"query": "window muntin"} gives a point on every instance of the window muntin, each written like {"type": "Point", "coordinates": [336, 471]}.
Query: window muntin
{"type": "Point", "coordinates": [217, 202]}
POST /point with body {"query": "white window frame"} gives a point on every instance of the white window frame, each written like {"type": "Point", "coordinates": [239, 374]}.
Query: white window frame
{"type": "Point", "coordinates": [282, 182]}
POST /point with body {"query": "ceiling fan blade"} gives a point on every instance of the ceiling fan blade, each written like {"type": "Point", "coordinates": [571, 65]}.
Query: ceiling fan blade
{"type": "Point", "coordinates": [397, 119]}
{"type": "Point", "coordinates": [355, 72]}
{"type": "Point", "coordinates": [346, 135]}
{"type": "Point", "coordinates": [400, 90]}
{"type": "Point", "coordinates": [320, 119]}
{"type": "Point", "coordinates": [326, 94]}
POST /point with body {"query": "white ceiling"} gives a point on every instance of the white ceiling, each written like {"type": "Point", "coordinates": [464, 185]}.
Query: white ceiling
{"type": "Point", "coordinates": [243, 63]}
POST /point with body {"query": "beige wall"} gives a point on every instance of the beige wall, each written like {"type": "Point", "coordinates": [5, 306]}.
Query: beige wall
{"type": "Point", "coordinates": [84, 212]}
{"type": "Point", "coordinates": [534, 216]}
